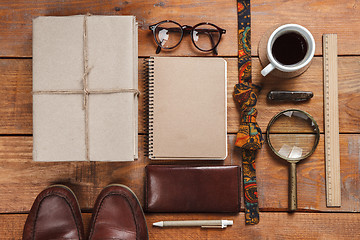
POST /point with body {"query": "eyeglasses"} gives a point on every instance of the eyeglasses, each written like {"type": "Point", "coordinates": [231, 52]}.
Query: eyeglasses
{"type": "Point", "coordinates": [205, 36]}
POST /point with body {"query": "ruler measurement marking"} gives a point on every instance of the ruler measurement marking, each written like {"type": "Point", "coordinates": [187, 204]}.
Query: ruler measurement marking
{"type": "Point", "coordinates": [332, 153]}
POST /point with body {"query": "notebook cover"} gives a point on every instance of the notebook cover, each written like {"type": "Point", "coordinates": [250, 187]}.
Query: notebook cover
{"type": "Point", "coordinates": [188, 108]}
{"type": "Point", "coordinates": [192, 189]}
{"type": "Point", "coordinates": [58, 120]}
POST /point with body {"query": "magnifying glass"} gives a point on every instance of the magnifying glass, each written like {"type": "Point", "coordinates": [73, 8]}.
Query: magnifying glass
{"type": "Point", "coordinates": [293, 135]}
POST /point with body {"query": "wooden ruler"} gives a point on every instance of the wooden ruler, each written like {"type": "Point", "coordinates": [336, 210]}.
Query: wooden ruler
{"type": "Point", "coordinates": [331, 121]}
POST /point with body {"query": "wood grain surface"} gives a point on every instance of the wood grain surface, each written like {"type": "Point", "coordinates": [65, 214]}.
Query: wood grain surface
{"type": "Point", "coordinates": [16, 99]}
{"type": "Point", "coordinates": [318, 16]}
{"type": "Point", "coordinates": [329, 226]}
{"type": "Point", "coordinates": [21, 179]}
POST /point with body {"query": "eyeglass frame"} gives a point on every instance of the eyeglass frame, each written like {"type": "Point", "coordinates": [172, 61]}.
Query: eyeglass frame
{"type": "Point", "coordinates": [187, 29]}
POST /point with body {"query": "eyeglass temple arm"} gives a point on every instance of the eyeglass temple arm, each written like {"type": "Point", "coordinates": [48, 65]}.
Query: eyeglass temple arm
{"type": "Point", "coordinates": [213, 44]}
{"type": "Point", "coordinates": [158, 49]}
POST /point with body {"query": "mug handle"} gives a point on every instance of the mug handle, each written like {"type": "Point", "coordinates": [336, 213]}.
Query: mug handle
{"type": "Point", "coordinates": [267, 69]}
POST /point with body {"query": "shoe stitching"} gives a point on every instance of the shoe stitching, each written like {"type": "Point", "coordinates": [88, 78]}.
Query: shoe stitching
{"type": "Point", "coordinates": [101, 205]}
{"type": "Point", "coordinates": [51, 194]}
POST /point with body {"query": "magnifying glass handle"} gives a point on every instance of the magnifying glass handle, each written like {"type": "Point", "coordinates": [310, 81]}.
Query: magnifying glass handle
{"type": "Point", "coordinates": [293, 188]}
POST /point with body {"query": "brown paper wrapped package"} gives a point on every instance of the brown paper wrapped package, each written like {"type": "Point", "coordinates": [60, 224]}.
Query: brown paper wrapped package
{"type": "Point", "coordinates": [85, 88]}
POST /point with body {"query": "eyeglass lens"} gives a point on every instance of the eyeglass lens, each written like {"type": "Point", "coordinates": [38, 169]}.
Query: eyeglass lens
{"type": "Point", "coordinates": [206, 37]}
{"type": "Point", "coordinates": [168, 34]}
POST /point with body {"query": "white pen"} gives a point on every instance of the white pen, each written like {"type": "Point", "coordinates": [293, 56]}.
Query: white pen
{"type": "Point", "coordinates": [195, 223]}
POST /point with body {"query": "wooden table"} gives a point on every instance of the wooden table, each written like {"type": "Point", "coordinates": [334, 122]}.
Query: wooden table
{"type": "Point", "coordinates": [21, 179]}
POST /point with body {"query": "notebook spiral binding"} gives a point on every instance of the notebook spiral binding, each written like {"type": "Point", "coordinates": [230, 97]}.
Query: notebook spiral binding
{"type": "Point", "coordinates": [148, 105]}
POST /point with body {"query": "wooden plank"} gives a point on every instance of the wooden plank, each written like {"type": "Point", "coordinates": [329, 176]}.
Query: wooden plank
{"type": "Point", "coordinates": [16, 18]}
{"type": "Point", "coordinates": [318, 17]}
{"type": "Point", "coordinates": [21, 179]}
{"type": "Point", "coordinates": [272, 226]}
{"type": "Point", "coordinates": [15, 96]}
{"type": "Point", "coordinates": [272, 174]}
{"type": "Point", "coordinates": [349, 97]}
{"type": "Point", "coordinates": [16, 100]}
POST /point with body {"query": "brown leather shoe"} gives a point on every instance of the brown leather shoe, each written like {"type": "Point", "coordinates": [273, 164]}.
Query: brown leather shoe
{"type": "Point", "coordinates": [118, 215]}
{"type": "Point", "coordinates": [55, 214]}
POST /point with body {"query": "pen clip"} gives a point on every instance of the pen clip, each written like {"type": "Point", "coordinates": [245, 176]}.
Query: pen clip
{"type": "Point", "coordinates": [214, 226]}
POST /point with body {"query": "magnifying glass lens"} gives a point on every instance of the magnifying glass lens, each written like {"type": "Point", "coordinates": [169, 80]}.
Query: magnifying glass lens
{"type": "Point", "coordinates": [293, 135]}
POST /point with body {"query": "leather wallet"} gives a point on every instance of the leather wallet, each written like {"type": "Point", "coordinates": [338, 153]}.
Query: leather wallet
{"type": "Point", "coordinates": [171, 188]}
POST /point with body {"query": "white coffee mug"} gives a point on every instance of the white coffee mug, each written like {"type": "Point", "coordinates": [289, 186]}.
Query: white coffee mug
{"type": "Point", "coordinates": [288, 28]}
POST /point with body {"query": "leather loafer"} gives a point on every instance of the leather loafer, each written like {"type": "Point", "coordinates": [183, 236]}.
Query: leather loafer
{"type": "Point", "coordinates": [55, 214]}
{"type": "Point", "coordinates": [118, 215]}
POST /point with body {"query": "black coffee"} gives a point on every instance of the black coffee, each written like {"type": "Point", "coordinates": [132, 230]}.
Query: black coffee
{"type": "Point", "coordinates": [290, 48]}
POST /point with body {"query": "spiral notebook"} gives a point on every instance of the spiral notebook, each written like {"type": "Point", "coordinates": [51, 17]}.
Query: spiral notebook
{"type": "Point", "coordinates": [187, 108]}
